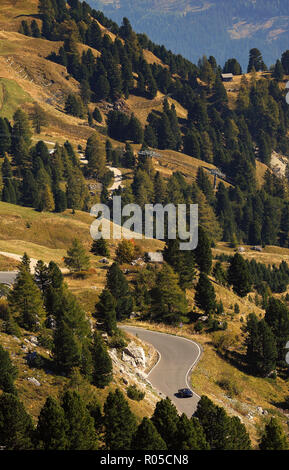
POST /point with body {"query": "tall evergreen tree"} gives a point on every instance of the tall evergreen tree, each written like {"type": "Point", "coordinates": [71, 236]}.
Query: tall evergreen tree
{"type": "Point", "coordinates": [102, 365]}
{"type": "Point", "coordinates": [120, 423]}
{"type": "Point", "coordinates": [203, 252]}
{"type": "Point", "coordinates": [205, 297]}
{"type": "Point", "coordinates": [8, 372]}
{"type": "Point", "coordinates": [51, 427]}
{"type": "Point", "coordinates": [106, 312]}
{"type": "Point", "coordinates": [147, 437]}
{"type": "Point", "coordinates": [26, 302]}
{"type": "Point", "coordinates": [274, 437]}
{"type": "Point", "coordinates": [168, 301]}
{"type": "Point", "coordinates": [117, 284]}
{"type": "Point", "coordinates": [77, 259]}
{"type": "Point", "coordinates": [239, 276]}
{"type": "Point", "coordinates": [277, 317]}
{"type": "Point", "coordinates": [80, 432]}
{"type": "Point", "coordinates": [16, 428]}
{"type": "Point", "coordinates": [166, 419]}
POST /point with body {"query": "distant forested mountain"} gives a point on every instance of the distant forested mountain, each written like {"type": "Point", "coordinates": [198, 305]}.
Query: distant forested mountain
{"type": "Point", "coordinates": [222, 28]}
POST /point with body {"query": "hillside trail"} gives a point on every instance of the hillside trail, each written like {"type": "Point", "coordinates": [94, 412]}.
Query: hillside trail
{"type": "Point", "coordinates": [33, 261]}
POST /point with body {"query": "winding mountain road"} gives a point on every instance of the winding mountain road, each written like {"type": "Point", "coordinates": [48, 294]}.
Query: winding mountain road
{"type": "Point", "coordinates": [177, 357]}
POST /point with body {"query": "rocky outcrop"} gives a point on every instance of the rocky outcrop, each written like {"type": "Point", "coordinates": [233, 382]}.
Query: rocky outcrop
{"type": "Point", "coordinates": [129, 367]}
{"type": "Point", "coordinates": [134, 355]}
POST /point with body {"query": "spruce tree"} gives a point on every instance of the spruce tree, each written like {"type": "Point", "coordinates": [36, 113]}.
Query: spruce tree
{"type": "Point", "coordinates": [120, 423]}
{"type": "Point", "coordinates": [95, 158]}
{"type": "Point", "coordinates": [205, 297]}
{"type": "Point", "coordinates": [166, 419]}
{"type": "Point", "coordinates": [8, 372]}
{"type": "Point", "coordinates": [100, 248]}
{"type": "Point", "coordinates": [106, 312]}
{"type": "Point", "coordinates": [77, 259]}
{"type": "Point", "coordinates": [168, 301]}
{"type": "Point", "coordinates": [261, 346]}
{"type": "Point", "coordinates": [102, 365]}
{"type": "Point", "coordinates": [80, 432]}
{"type": "Point", "coordinates": [203, 252]}
{"type": "Point", "coordinates": [26, 302]}
{"type": "Point", "coordinates": [277, 317]}
{"type": "Point", "coordinates": [239, 276]}
{"type": "Point", "coordinates": [51, 427]}
{"type": "Point", "coordinates": [147, 437]}
{"type": "Point", "coordinates": [190, 435]}
{"type": "Point", "coordinates": [274, 437]}
{"type": "Point", "coordinates": [117, 284]}
{"type": "Point", "coordinates": [16, 428]}
{"type": "Point", "coordinates": [5, 141]}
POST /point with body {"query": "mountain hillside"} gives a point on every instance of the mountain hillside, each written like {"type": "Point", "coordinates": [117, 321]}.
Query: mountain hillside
{"type": "Point", "coordinates": [220, 28]}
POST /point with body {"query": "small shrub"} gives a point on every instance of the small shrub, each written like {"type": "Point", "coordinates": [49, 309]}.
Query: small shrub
{"type": "Point", "coordinates": [236, 308]}
{"type": "Point", "coordinates": [118, 341]}
{"type": "Point", "coordinates": [228, 384]}
{"type": "Point", "coordinates": [134, 394]}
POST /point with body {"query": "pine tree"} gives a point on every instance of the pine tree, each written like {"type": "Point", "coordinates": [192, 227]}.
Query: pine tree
{"type": "Point", "coordinates": [278, 73]}
{"type": "Point", "coordinates": [51, 427]}
{"type": "Point", "coordinates": [147, 437]}
{"type": "Point", "coordinates": [203, 252]}
{"type": "Point", "coordinates": [8, 373]}
{"type": "Point", "coordinates": [35, 29]}
{"type": "Point", "coordinates": [166, 419]}
{"type": "Point", "coordinates": [46, 201]}
{"type": "Point", "coordinates": [80, 432]}
{"type": "Point", "coordinates": [120, 423]}
{"type": "Point", "coordinates": [72, 332]}
{"type": "Point", "coordinates": [168, 301]}
{"type": "Point", "coordinates": [117, 284]}
{"type": "Point", "coordinates": [222, 432]}
{"type": "Point", "coordinates": [77, 259]}
{"type": "Point", "coordinates": [128, 157]}
{"type": "Point", "coordinates": [261, 346]}
{"type": "Point", "coordinates": [277, 317]}
{"type": "Point", "coordinates": [97, 115]}
{"type": "Point", "coordinates": [205, 297]}
{"type": "Point", "coordinates": [239, 276]}
{"type": "Point", "coordinates": [102, 365]}
{"type": "Point", "coordinates": [38, 119]}
{"type": "Point", "coordinates": [5, 141]}
{"type": "Point", "coordinates": [190, 435]}
{"type": "Point", "coordinates": [100, 248]}
{"type": "Point", "coordinates": [21, 128]}
{"type": "Point", "coordinates": [95, 158]}
{"type": "Point", "coordinates": [256, 61]}
{"type": "Point", "coordinates": [26, 302]}
{"type": "Point", "coordinates": [125, 252]}
{"type": "Point", "coordinates": [16, 426]}
{"type": "Point", "coordinates": [274, 437]}
{"type": "Point", "coordinates": [67, 348]}
{"type": "Point", "coordinates": [106, 312]}
{"type": "Point", "coordinates": [135, 130]}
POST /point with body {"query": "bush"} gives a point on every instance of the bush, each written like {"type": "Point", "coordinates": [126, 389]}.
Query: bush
{"type": "Point", "coordinates": [45, 339]}
{"type": "Point", "coordinates": [236, 308]}
{"type": "Point", "coordinates": [118, 341]}
{"type": "Point", "coordinates": [134, 394]}
{"type": "Point", "coordinates": [228, 384]}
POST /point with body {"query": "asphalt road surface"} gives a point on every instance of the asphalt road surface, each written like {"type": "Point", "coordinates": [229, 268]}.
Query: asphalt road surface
{"type": "Point", "coordinates": [177, 357]}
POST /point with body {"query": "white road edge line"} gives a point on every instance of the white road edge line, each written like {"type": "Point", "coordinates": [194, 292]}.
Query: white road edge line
{"type": "Point", "coordinates": [160, 356]}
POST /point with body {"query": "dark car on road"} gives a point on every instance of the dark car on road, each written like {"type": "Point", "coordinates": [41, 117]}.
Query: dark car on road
{"type": "Point", "coordinates": [185, 393]}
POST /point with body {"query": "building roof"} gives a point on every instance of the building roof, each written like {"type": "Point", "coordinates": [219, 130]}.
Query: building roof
{"type": "Point", "coordinates": [227, 75]}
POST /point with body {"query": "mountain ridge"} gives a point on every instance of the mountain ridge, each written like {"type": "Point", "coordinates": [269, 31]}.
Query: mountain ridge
{"type": "Point", "coordinates": [183, 26]}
